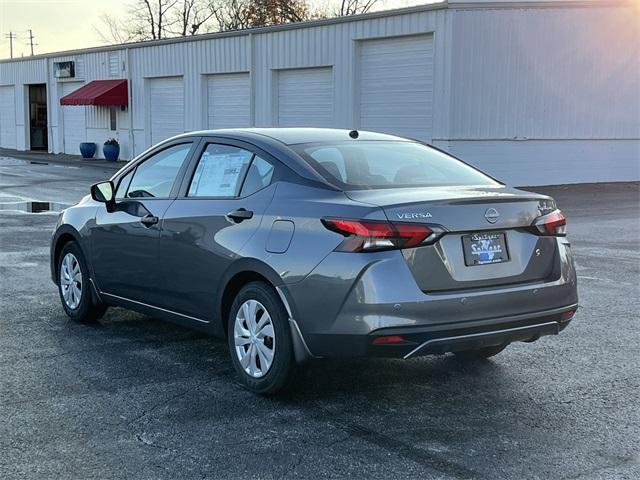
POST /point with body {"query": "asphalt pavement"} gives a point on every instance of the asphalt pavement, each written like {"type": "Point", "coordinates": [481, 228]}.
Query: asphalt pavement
{"type": "Point", "coordinates": [133, 397]}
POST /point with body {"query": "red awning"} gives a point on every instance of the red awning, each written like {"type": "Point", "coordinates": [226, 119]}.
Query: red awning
{"type": "Point", "coordinates": [98, 92]}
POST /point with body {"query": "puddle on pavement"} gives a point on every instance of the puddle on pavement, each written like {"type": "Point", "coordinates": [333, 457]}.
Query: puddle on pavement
{"type": "Point", "coordinates": [11, 162]}
{"type": "Point", "coordinates": [33, 207]}
{"type": "Point", "coordinates": [14, 162]}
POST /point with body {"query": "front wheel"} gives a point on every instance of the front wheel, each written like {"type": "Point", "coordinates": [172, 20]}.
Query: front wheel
{"type": "Point", "coordinates": [74, 288]}
{"type": "Point", "coordinates": [259, 339]}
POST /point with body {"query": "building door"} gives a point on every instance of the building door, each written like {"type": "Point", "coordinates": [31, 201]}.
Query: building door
{"type": "Point", "coordinates": [73, 122]}
{"type": "Point", "coordinates": [305, 97]}
{"type": "Point", "coordinates": [228, 100]}
{"type": "Point", "coordinates": [7, 117]}
{"type": "Point", "coordinates": [166, 97]}
{"type": "Point", "coordinates": [38, 137]}
{"type": "Point", "coordinates": [396, 86]}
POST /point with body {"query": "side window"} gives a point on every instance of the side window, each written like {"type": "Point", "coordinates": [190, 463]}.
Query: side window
{"type": "Point", "coordinates": [258, 176]}
{"type": "Point", "coordinates": [124, 183]}
{"type": "Point", "coordinates": [156, 175]}
{"type": "Point", "coordinates": [220, 171]}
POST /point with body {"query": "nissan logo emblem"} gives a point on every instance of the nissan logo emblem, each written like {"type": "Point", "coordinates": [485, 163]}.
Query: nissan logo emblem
{"type": "Point", "coordinates": [491, 215]}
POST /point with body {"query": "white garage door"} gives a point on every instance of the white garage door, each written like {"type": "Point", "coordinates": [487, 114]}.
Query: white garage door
{"type": "Point", "coordinates": [305, 97]}
{"type": "Point", "coordinates": [228, 100]}
{"type": "Point", "coordinates": [7, 117]}
{"type": "Point", "coordinates": [166, 96]}
{"type": "Point", "coordinates": [73, 122]}
{"type": "Point", "coordinates": [396, 91]}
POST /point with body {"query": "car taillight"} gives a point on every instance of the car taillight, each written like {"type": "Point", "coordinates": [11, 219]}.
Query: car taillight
{"type": "Point", "coordinates": [554, 223]}
{"type": "Point", "coordinates": [372, 235]}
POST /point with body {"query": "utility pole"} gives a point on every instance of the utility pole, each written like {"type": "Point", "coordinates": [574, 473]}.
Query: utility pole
{"type": "Point", "coordinates": [31, 37]}
{"type": "Point", "coordinates": [11, 36]}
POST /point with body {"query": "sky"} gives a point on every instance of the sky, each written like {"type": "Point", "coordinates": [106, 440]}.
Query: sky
{"type": "Point", "coordinates": [60, 25]}
{"type": "Point", "coordinates": [57, 24]}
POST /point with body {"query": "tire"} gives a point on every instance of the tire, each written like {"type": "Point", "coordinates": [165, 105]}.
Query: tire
{"type": "Point", "coordinates": [252, 336]}
{"type": "Point", "coordinates": [480, 353]}
{"type": "Point", "coordinates": [74, 286]}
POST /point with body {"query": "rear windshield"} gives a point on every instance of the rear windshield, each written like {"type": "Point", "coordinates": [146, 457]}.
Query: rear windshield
{"type": "Point", "coordinates": [388, 164]}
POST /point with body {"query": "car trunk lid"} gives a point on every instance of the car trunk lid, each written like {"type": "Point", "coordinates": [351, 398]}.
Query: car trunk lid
{"type": "Point", "coordinates": [488, 241]}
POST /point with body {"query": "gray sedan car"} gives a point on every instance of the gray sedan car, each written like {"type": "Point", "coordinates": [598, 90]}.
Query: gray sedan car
{"type": "Point", "coordinates": [297, 244]}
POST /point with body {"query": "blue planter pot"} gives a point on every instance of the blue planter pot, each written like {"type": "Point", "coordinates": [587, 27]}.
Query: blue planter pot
{"type": "Point", "coordinates": [111, 152]}
{"type": "Point", "coordinates": [87, 149]}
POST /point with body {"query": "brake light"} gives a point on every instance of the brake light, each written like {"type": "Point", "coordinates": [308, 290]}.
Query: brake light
{"type": "Point", "coordinates": [554, 223]}
{"type": "Point", "coordinates": [373, 235]}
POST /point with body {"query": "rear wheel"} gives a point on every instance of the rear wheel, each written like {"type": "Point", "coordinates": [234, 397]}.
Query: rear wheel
{"type": "Point", "coordinates": [74, 287]}
{"type": "Point", "coordinates": [478, 353]}
{"type": "Point", "coordinates": [259, 339]}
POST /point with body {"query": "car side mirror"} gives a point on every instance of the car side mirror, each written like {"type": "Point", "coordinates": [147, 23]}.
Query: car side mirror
{"type": "Point", "coordinates": [103, 192]}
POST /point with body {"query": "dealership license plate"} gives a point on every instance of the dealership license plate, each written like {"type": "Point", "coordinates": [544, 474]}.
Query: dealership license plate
{"type": "Point", "coordinates": [484, 248]}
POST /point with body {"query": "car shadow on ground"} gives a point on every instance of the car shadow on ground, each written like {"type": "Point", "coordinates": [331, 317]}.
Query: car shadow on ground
{"type": "Point", "coordinates": [318, 379]}
{"type": "Point", "coordinates": [431, 411]}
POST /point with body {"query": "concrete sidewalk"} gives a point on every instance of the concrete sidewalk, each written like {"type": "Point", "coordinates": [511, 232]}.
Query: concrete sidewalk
{"type": "Point", "coordinates": [60, 158]}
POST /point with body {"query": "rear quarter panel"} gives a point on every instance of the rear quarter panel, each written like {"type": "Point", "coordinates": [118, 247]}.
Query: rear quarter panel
{"type": "Point", "coordinates": [311, 242]}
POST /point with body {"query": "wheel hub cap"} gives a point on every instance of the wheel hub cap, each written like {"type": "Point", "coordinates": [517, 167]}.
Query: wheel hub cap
{"type": "Point", "coordinates": [254, 338]}
{"type": "Point", "coordinates": [71, 281]}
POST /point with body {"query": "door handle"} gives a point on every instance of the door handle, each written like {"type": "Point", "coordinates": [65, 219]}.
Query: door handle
{"type": "Point", "coordinates": [240, 214]}
{"type": "Point", "coordinates": [149, 220]}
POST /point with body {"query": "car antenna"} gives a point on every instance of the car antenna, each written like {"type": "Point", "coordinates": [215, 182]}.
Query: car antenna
{"type": "Point", "coordinates": [354, 134]}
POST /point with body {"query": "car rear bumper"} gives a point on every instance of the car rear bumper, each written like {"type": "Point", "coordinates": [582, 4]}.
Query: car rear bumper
{"type": "Point", "coordinates": [438, 339]}
{"type": "Point", "coordinates": [348, 300]}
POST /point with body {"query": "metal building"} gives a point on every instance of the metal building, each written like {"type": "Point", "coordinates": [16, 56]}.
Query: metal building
{"type": "Point", "coordinates": [533, 92]}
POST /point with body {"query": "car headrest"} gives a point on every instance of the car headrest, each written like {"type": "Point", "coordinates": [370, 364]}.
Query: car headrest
{"type": "Point", "coordinates": [332, 168]}
{"type": "Point", "coordinates": [405, 175]}
{"type": "Point", "coordinates": [253, 182]}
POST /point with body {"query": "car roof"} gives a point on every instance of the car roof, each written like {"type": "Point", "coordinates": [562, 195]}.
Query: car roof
{"type": "Point", "coordinates": [298, 135]}
{"type": "Point", "coordinates": [277, 142]}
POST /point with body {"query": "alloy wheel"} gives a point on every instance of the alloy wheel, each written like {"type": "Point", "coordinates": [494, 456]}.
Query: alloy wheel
{"type": "Point", "coordinates": [254, 338]}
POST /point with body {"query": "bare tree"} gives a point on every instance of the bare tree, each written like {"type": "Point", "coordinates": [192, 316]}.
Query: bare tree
{"type": "Point", "coordinates": [113, 30]}
{"type": "Point", "coordinates": [145, 20]}
{"type": "Point", "coordinates": [231, 14]}
{"type": "Point", "coordinates": [153, 14]}
{"type": "Point", "coordinates": [156, 19]}
{"type": "Point", "coordinates": [192, 16]}
{"type": "Point", "coordinates": [355, 7]}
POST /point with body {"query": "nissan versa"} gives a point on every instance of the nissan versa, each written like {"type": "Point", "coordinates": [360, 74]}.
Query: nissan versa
{"type": "Point", "coordinates": [305, 243]}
